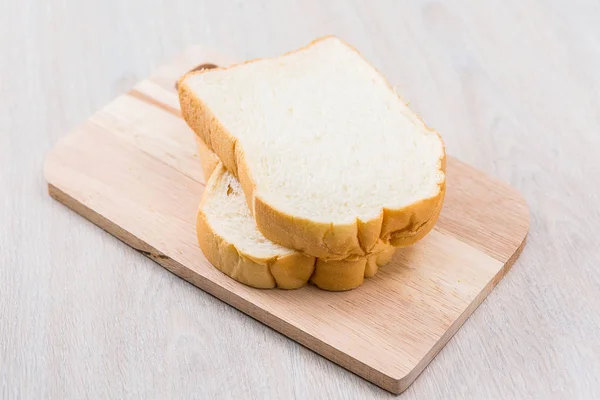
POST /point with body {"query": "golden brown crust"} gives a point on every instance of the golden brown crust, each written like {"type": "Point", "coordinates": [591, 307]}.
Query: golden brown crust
{"type": "Point", "coordinates": [399, 227]}
{"type": "Point", "coordinates": [339, 275]}
{"type": "Point", "coordinates": [208, 159]}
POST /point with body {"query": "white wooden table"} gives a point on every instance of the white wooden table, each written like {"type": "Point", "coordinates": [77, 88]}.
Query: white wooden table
{"type": "Point", "coordinates": [513, 86]}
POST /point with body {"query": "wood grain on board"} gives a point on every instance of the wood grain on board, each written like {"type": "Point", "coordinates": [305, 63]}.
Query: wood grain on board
{"type": "Point", "coordinates": [133, 170]}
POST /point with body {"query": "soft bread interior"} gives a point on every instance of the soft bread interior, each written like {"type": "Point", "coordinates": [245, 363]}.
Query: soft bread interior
{"type": "Point", "coordinates": [323, 135]}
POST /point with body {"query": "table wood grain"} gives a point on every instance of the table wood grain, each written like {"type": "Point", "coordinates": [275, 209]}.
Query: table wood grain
{"type": "Point", "coordinates": [513, 86]}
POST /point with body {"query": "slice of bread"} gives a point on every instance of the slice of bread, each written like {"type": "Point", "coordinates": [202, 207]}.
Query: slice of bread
{"type": "Point", "coordinates": [228, 236]}
{"type": "Point", "coordinates": [330, 159]}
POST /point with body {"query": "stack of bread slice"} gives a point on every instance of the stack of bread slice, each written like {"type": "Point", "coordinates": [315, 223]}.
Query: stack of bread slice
{"type": "Point", "coordinates": [316, 169]}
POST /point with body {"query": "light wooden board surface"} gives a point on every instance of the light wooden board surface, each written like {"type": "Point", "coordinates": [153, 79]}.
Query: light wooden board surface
{"type": "Point", "coordinates": [512, 85]}
{"type": "Point", "coordinates": [132, 169]}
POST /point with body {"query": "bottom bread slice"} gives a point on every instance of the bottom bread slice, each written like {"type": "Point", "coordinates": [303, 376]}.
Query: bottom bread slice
{"type": "Point", "coordinates": [230, 240]}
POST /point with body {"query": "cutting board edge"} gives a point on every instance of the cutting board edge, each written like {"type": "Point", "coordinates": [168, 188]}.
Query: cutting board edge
{"type": "Point", "coordinates": [391, 382]}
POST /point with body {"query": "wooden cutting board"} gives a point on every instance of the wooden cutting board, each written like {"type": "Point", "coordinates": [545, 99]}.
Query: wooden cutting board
{"type": "Point", "coordinates": [132, 169]}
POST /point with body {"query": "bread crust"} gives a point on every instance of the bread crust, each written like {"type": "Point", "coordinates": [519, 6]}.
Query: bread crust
{"type": "Point", "coordinates": [208, 160]}
{"type": "Point", "coordinates": [289, 271]}
{"type": "Point", "coordinates": [399, 227]}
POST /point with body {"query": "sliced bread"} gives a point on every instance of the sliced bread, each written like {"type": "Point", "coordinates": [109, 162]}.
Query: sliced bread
{"type": "Point", "coordinates": [229, 239]}
{"type": "Point", "coordinates": [330, 159]}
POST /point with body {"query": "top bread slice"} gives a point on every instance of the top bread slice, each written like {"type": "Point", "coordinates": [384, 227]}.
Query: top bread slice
{"type": "Point", "coordinates": [331, 161]}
